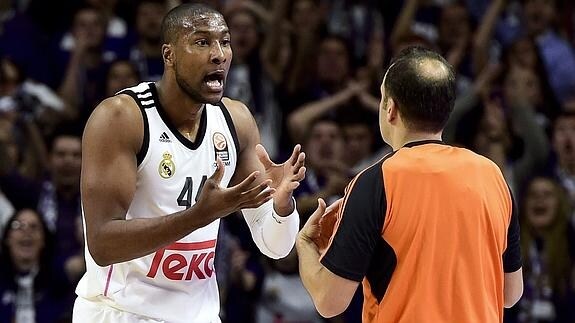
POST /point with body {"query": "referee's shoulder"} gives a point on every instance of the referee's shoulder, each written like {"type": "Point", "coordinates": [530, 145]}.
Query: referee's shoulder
{"type": "Point", "coordinates": [478, 162]}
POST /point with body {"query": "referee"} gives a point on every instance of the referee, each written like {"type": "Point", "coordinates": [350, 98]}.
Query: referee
{"type": "Point", "coordinates": [431, 230]}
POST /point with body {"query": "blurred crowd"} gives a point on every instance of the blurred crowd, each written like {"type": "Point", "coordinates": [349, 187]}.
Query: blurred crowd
{"type": "Point", "coordinates": [310, 71]}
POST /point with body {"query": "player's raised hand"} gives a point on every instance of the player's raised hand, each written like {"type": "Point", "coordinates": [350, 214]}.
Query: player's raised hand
{"type": "Point", "coordinates": [285, 177]}
{"type": "Point", "coordinates": [217, 201]}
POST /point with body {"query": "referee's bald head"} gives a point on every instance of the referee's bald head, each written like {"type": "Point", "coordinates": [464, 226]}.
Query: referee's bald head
{"type": "Point", "coordinates": [422, 83]}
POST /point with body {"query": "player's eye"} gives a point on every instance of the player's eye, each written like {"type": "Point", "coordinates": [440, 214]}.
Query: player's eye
{"type": "Point", "coordinates": [226, 42]}
{"type": "Point", "coordinates": [202, 42]}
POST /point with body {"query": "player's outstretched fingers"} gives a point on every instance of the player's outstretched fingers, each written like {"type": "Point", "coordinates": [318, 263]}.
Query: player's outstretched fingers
{"type": "Point", "coordinates": [294, 155]}
{"type": "Point", "coordinates": [263, 156]}
{"type": "Point", "coordinates": [246, 184]}
{"type": "Point", "coordinates": [293, 186]}
{"type": "Point", "coordinates": [219, 173]}
{"type": "Point", "coordinates": [300, 174]}
{"type": "Point", "coordinates": [254, 191]}
{"type": "Point", "coordinates": [261, 198]}
{"type": "Point", "coordinates": [300, 162]}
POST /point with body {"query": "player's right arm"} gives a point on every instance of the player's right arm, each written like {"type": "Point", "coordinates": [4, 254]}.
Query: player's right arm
{"type": "Point", "coordinates": [112, 138]}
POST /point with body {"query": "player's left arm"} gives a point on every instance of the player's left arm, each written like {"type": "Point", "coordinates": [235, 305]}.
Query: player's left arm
{"type": "Point", "coordinates": [275, 224]}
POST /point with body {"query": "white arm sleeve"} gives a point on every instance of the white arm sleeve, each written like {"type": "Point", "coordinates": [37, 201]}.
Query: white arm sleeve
{"type": "Point", "coordinates": [273, 234]}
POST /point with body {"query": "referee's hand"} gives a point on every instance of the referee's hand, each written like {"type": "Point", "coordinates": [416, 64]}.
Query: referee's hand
{"type": "Point", "coordinates": [311, 231]}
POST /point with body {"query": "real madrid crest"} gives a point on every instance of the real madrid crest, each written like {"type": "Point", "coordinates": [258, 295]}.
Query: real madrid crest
{"type": "Point", "coordinates": [167, 168]}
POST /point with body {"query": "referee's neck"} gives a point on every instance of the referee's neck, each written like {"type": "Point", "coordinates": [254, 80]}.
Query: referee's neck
{"type": "Point", "coordinates": [413, 136]}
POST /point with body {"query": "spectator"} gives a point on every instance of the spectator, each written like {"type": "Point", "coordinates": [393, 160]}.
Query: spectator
{"type": "Point", "coordinates": [121, 74]}
{"type": "Point", "coordinates": [59, 196]}
{"type": "Point", "coordinates": [557, 54]}
{"type": "Point", "coordinates": [363, 145]}
{"type": "Point", "coordinates": [31, 288]}
{"type": "Point", "coordinates": [563, 139]}
{"type": "Point", "coordinates": [239, 270]}
{"type": "Point", "coordinates": [146, 53]}
{"type": "Point", "coordinates": [547, 254]}
{"type": "Point", "coordinates": [32, 100]}
{"type": "Point", "coordinates": [448, 28]}
{"type": "Point", "coordinates": [249, 77]}
{"type": "Point", "coordinates": [327, 174]}
{"type": "Point", "coordinates": [523, 53]}
{"type": "Point", "coordinates": [22, 40]}
{"type": "Point", "coordinates": [84, 62]}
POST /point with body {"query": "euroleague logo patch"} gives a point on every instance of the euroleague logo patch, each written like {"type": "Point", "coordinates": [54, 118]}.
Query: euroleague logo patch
{"type": "Point", "coordinates": [221, 146]}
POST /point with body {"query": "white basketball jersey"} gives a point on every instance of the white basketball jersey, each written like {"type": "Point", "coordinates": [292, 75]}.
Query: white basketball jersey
{"type": "Point", "coordinates": [176, 283]}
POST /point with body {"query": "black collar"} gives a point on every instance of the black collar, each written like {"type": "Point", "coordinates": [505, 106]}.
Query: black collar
{"type": "Point", "coordinates": [423, 142]}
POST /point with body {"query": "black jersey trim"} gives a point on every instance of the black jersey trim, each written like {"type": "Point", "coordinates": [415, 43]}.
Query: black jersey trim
{"type": "Point", "coordinates": [231, 126]}
{"type": "Point", "coordinates": [423, 142]}
{"type": "Point", "coordinates": [146, 140]}
{"type": "Point", "coordinates": [193, 145]}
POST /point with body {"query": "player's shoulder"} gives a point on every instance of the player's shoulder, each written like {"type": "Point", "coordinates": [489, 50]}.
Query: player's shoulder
{"type": "Point", "coordinates": [114, 108]}
{"type": "Point", "coordinates": [117, 116]}
{"type": "Point", "coordinates": [243, 120]}
{"type": "Point", "coordinates": [237, 109]}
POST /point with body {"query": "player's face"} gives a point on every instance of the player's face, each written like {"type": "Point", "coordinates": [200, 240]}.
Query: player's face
{"type": "Point", "coordinates": [203, 57]}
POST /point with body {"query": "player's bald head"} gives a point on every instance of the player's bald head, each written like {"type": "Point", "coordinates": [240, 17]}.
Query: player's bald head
{"type": "Point", "coordinates": [187, 17]}
{"type": "Point", "coordinates": [422, 83]}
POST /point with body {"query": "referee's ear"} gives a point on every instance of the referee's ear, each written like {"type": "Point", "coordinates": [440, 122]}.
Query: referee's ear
{"type": "Point", "coordinates": [391, 111]}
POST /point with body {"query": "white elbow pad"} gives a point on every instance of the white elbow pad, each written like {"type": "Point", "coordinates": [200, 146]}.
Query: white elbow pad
{"type": "Point", "coordinates": [273, 234]}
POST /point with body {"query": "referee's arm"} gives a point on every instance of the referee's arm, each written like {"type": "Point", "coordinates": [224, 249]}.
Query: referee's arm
{"type": "Point", "coordinates": [331, 294]}
{"type": "Point", "coordinates": [513, 278]}
{"type": "Point", "coordinates": [332, 278]}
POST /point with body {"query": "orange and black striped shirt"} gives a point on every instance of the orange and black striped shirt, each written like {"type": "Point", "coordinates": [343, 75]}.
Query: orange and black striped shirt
{"type": "Point", "coordinates": [429, 230]}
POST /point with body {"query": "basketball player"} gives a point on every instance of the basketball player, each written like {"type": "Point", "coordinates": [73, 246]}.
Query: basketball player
{"type": "Point", "coordinates": [163, 162]}
{"type": "Point", "coordinates": [430, 230]}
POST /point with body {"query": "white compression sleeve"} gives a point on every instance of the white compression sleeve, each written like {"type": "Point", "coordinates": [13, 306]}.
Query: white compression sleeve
{"type": "Point", "coordinates": [273, 234]}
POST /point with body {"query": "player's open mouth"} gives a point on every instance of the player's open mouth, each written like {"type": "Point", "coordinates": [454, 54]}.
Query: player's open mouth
{"type": "Point", "coordinates": [215, 81]}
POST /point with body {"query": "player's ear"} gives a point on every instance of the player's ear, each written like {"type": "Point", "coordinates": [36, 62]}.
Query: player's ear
{"type": "Point", "coordinates": [168, 54]}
